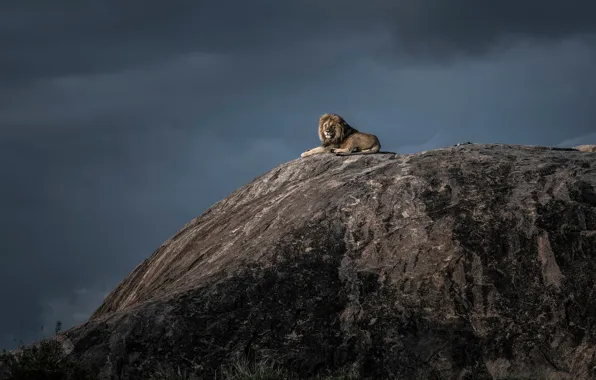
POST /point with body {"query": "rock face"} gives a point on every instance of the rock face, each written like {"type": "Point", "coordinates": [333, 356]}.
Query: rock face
{"type": "Point", "coordinates": [586, 148]}
{"type": "Point", "coordinates": [471, 262]}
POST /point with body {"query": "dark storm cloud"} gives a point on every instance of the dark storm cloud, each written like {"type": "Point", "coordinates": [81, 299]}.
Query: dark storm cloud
{"type": "Point", "coordinates": [433, 27]}
{"type": "Point", "coordinates": [122, 120]}
{"type": "Point", "coordinates": [108, 35]}
{"type": "Point", "coordinates": [43, 38]}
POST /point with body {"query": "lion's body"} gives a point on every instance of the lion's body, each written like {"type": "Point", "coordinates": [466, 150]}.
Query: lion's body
{"type": "Point", "coordinates": [585, 148]}
{"type": "Point", "coordinates": [337, 136]}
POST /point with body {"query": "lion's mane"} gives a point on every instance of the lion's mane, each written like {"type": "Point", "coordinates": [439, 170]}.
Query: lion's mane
{"type": "Point", "coordinates": [342, 129]}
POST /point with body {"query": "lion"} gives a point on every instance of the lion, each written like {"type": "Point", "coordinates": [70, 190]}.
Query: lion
{"type": "Point", "coordinates": [337, 136]}
{"type": "Point", "coordinates": [585, 148]}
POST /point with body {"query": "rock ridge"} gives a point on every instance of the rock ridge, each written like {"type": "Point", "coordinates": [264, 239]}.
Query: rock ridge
{"type": "Point", "coordinates": [470, 262]}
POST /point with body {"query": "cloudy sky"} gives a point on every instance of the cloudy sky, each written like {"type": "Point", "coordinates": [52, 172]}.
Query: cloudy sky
{"type": "Point", "coordinates": [122, 120]}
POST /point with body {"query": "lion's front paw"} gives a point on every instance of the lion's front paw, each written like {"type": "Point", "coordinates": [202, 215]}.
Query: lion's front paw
{"type": "Point", "coordinates": [332, 150]}
{"type": "Point", "coordinates": [304, 154]}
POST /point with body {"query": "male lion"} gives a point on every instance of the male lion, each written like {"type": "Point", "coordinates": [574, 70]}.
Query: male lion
{"type": "Point", "coordinates": [585, 148]}
{"type": "Point", "coordinates": [337, 136]}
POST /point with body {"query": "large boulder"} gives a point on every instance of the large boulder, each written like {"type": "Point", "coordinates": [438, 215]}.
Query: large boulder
{"type": "Point", "coordinates": [470, 262]}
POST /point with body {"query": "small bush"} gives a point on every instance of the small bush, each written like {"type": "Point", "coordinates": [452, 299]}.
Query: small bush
{"type": "Point", "coordinates": [169, 373]}
{"type": "Point", "coordinates": [244, 370]}
{"type": "Point", "coordinates": [44, 361]}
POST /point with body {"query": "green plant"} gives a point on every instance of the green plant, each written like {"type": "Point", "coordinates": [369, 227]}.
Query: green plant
{"type": "Point", "coordinates": [58, 327]}
{"type": "Point", "coordinates": [170, 373]}
{"type": "Point", "coordinates": [242, 369]}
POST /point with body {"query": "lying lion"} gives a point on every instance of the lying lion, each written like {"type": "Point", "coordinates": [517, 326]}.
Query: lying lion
{"type": "Point", "coordinates": [337, 136]}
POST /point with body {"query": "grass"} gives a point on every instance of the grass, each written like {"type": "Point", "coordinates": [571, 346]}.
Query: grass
{"type": "Point", "coordinates": [244, 370]}
{"type": "Point", "coordinates": [45, 361]}
{"type": "Point", "coordinates": [42, 362]}
{"type": "Point", "coordinates": [241, 370]}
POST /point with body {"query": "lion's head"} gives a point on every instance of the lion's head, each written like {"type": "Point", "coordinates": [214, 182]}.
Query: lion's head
{"type": "Point", "coordinates": [333, 129]}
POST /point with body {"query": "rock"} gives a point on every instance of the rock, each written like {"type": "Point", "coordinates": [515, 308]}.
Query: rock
{"type": "Point", "coordinates": [470, 262]}
{"type": "Point", "coordinates": [586, 148]}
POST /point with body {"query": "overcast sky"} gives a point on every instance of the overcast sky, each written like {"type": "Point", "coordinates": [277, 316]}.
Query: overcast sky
{"type": "Point", "coordinates": [122, 120]}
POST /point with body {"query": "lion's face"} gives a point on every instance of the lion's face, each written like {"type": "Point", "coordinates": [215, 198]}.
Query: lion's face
{"type": "Point", "coordinates": [333, 129]}
{"type": "Point", "coordinates": [330, 128]}
{"type": "Point", "coordinates": [330, 131]}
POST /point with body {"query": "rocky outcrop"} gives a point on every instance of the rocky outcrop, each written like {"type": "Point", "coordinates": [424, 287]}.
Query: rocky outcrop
{"type": "Point", "coordinates": [585, 148]}
{"type": "Point", "coordinates": [470, 262]}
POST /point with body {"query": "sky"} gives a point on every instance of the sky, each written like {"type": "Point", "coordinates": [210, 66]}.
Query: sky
{"type": "Point", "coordinates": [120, 121]}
